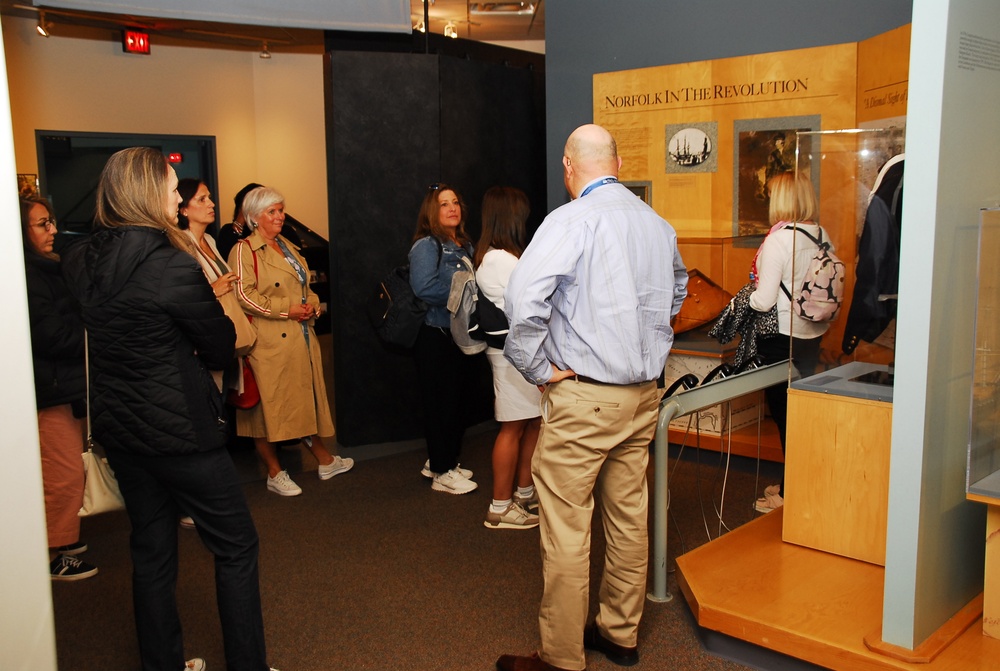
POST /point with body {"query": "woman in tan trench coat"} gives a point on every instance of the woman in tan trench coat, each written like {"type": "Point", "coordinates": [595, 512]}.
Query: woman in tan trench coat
{"type": "Point", "coordinates": [273, 288]}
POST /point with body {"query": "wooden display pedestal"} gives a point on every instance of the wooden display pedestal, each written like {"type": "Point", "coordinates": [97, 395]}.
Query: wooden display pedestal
{"type": "Point", "coordinates": [837, 474]}
{"type": "Point", "coordinates": [991, 580]}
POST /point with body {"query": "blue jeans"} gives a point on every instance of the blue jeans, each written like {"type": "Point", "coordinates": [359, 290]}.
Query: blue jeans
{"type": "Point", "coordinates": [157, 490]}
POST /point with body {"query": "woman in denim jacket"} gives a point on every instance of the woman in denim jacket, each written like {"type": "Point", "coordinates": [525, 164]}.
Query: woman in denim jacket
{"type": "Point", "coordinates": [439, 245]}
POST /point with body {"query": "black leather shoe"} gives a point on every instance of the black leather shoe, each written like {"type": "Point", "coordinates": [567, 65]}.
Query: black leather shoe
{"type": "Point", "coordinates": [529, 663]}
{"type": "Point", "coordinates": [593, 639]}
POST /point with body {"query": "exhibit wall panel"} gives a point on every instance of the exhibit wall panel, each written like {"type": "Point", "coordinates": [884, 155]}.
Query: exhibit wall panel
{"type": "Point", "coordinates": [702, 132]}
{"type": "Point", "coordinates": [883, 77]}
{"type": "Point", "coordinates": [27, 625]}
{"type": "Point", "coordinates": [432, 118]}
{"type": "Point", "coordinates": [651, 34]}
{"type": "Point", "coordinates": [383, 153]}
{"type": "Point", "coordinates": [936, 539]}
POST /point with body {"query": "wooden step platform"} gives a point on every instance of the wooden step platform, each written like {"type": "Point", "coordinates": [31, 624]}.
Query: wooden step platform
{"type": "Point", "coordinates": [805, 603]}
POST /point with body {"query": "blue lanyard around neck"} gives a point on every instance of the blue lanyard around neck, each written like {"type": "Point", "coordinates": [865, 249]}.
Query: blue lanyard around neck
{"type": "Point", "coordinates": [606, 180]}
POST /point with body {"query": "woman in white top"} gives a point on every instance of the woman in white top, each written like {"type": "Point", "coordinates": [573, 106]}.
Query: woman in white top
{"type": "Point", "coordinates": [505, 210]}
{"type": "Point", "coordinates": [782, 261]}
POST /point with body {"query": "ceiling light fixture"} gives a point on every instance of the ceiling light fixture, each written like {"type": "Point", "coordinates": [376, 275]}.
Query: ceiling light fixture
{"type": "Point", "coordinates": [264, 52]}
{"type": "Point", "coordinates": [41, 27]}
{"type": "Point", "coordinates": [508, 8]}
{"type": "Point", "coordinates": [420, 27]}
{"type": "Point", "coordinates": [450, 30]}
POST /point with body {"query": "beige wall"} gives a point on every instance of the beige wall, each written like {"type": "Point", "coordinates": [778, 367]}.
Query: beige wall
{"type": "Point", "coordinates": [266, 115]}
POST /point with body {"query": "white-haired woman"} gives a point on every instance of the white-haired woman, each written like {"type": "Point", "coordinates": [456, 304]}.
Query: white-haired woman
{"type": "Point", "coordinates": [273, 287]}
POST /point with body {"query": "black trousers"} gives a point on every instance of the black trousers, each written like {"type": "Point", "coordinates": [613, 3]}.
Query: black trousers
{"type": "Point", "coordinates": [444, 378]}
{"type": "Point", "coordinates": [805, 354]}
{"type": "Point", "coordinates": [157, 490]}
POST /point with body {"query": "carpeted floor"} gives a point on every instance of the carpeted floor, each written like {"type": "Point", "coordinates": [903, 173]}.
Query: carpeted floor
{"type": "Point", "coordinates": [373, 570]}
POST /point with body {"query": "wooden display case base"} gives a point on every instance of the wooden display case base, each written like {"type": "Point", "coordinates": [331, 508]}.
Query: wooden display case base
{"type": "Point", "coordinates": [802, 602]}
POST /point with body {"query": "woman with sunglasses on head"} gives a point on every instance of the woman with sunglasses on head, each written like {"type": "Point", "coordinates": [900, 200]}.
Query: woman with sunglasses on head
{"type": "Point", "coordinates": [440, 248]}
{"type": "Point", "coordinates": [57, 353]}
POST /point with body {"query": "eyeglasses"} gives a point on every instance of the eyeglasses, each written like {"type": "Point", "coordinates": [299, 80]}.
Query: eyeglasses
{"type": "Point", "coordinates": [434, 187]}
{"type": "Point", "coordinates": [45, 224]}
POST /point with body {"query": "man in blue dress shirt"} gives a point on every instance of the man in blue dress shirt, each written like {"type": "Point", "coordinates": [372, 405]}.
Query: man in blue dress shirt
{"type": "Point", "coordinates": [590, 303]}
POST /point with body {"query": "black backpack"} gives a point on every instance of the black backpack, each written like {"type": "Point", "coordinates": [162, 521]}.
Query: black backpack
{"type": "Point", "coordinates": [394, 310]}
{"type": "Point", "coordinates": [488, 322]}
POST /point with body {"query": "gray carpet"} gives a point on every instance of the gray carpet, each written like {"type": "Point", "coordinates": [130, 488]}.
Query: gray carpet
{"type": "Point", "coordinates": [373, 570]}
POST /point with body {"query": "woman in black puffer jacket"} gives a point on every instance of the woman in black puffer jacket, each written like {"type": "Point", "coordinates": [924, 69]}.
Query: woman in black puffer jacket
{"type": "Point", "coordinates": [60, 389]}
{"type": "Point", "coordinates": [155, 331]}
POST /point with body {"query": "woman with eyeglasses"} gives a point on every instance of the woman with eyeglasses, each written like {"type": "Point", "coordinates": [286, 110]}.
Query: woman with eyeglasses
{"type": "Point", "coordinates": [60, 389]}
{"type": "Point", "coordinates": [440, 248]}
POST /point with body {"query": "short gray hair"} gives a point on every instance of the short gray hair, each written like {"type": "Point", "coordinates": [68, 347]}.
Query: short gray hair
{"type": "Point", "coordinates": [259, 200]}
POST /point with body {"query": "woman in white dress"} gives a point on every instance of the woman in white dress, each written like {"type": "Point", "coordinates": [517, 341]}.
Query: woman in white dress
{"type": "Point", "coordinates": [505, 210]}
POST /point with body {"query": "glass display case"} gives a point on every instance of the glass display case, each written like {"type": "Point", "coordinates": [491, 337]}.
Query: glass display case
{"type": "Point", "coordinates": [856, 180]}
{"type": "Point", "coordinates": [983, 476]}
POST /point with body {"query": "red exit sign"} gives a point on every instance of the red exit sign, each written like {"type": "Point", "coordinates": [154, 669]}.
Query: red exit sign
{"type": "Point", "coordinates": [135, 42]}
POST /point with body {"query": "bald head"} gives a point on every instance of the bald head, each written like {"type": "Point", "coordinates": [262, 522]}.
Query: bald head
{"type": "Point", "coordinates": [590, 153]}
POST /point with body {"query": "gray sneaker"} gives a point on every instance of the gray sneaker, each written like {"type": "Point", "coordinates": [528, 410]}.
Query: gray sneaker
{"type": "Point", "coordinates": [282, 484]}
{"type": "Point", "coordinates": [335, 467]}
{"type": "Point", "coordinates": [515, 517]}
{"type": "Point", "coordinates": [527, 502]}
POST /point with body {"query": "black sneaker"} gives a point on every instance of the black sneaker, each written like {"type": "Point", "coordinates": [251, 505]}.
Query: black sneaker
{"type": "Point", "coordinates": [72, 549]}
{"type": "Point", "coordinates": [66, 567]}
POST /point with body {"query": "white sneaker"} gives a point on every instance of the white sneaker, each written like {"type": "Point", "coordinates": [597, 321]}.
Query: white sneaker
{"type": "Point", "coordinates": [452, 482]}
{"type": "Point", "coordinates": [335, 467]}
{"type": "Point", "coordinates": [428, 473]}
{"type": "Point", "coordinates": [769, 503]}
{"type": "Point", "coordinates": [282, 484]}
{"type": "Point", "coordinates": [196, 664]}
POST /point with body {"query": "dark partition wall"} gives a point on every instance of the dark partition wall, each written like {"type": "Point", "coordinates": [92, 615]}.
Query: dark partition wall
{"type": "Point", "coordinates": [397, 122]}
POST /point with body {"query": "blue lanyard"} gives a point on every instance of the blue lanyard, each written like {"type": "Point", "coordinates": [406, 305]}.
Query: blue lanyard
{"type": "Point", "coordinates": [606, 180]}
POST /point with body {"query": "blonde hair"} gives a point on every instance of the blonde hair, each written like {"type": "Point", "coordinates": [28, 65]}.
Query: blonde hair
{"type": "Point", "coordinates": [792, 198]}
{"type": "Point", "coordinates": [132, 191]}
{"type": "Point", "coordinates": [258, 200]}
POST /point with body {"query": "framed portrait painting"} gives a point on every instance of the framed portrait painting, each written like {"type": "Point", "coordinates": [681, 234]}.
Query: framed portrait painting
{"type": "Point", "coordinates": [762, 149]}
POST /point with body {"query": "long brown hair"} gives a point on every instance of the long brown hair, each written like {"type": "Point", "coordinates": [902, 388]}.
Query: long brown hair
{"type": "Point", "coordinates": [505, 211]}
{"type": "Point", "coordinates": [427, 220]}
{"type": "Point", "coordinates": [132, 191]}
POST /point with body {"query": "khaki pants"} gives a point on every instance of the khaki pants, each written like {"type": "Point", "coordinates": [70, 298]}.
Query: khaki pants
{"type": "Point", "coordinates": [593, 446]}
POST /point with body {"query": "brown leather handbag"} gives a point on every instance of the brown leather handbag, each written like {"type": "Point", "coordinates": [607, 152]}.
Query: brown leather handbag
{"type": "Point", "coordinates": [705, 302]}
